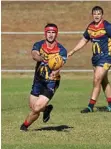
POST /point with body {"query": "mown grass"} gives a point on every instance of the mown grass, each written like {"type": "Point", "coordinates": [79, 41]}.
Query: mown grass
{"type": "Point", "coordinates": [67, 128]}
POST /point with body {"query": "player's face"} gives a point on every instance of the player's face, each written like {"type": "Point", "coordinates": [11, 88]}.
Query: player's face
{"type": "Point", "coordinates": [51, 36]}
{"type": "Point", "coordinates": [97, 16]}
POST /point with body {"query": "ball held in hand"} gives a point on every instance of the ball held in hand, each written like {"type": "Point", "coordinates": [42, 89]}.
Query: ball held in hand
{"type": "Point", "coordinates": [55, 62]}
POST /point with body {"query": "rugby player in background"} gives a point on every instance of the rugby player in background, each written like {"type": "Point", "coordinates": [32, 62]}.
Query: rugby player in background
{"type": "Point", "coordinates": [46, 81]}
{"type": "Point", "coordinates": [99, 33]}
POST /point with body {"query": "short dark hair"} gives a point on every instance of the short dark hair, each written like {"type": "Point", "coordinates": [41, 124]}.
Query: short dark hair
{"type": "Point", "coordinates": [97, 8]}
{"type": "Point", "coordinates": [51, 25]}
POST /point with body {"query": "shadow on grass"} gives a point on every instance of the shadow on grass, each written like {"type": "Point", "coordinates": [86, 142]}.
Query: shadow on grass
{"type": "Point", "coordinates": [54, 128]}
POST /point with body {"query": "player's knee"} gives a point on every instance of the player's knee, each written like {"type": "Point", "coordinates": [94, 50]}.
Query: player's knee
{"type": "Point", "coordinates": [37, 108]}
{"type": "Point", "coordinates": [31, 105]}
{"type": "Point", "coordinates": [97, 81]}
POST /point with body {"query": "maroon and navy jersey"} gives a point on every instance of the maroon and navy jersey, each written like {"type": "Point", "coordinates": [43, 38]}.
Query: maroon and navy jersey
{"type": "Point", "coordinates": [42, 71]}
{"type": "Point", "coordinates": [100, 37]}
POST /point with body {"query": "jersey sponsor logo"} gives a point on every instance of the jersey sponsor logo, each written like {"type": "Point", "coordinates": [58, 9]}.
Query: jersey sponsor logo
{"type": "Point", "coordinates": [96, 48]}
{"type": "Point", "coordinates": [95, 40]}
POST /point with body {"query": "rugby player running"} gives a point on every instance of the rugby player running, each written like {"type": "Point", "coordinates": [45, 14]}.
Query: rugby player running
{"type": "Point", "coordinates": [46, 81]}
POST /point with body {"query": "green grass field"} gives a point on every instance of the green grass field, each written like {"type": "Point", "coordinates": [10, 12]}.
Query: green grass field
{"type": "Point", "coordinates": [67, 128]}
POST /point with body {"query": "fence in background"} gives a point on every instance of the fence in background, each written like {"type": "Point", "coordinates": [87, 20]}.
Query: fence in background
{"type": "Point", "coordinates": [41, 33]}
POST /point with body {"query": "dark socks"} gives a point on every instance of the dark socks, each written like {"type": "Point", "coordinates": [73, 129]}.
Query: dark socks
{"type": "Point", "coordinates": [91, 104]}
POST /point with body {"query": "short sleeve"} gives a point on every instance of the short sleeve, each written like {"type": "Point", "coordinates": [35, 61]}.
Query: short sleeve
{"type": "Point", "coordinates": [63, 53]}
{"type": "Point", "coordinates": [86, 35]}
{"type": "Point", "coordinates": [37, 45]}
{"type": "Point", "coordinates": [108, 30]}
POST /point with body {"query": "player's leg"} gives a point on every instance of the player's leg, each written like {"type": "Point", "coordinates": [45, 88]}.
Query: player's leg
{"type": "Point", "coordinates": [37, 105]}
{"type": "Point", "coordinates": [99, 74]}
{"type": "Point", "coordinates": [49, 91]}
{"type": "Point", "coordinates": [107, 91]}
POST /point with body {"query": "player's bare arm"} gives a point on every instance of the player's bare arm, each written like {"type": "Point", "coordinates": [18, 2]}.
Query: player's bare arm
{"type": "Point", "coordinates": [80, 45]}
{"type": "Point", "coordinates": [36, 56]}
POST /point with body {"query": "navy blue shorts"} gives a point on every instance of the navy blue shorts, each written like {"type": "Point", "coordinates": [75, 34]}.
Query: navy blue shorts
{"type": "Point", "coordinates": [103, 60]}
{"type": "Point", "coordinates": [46, 88]}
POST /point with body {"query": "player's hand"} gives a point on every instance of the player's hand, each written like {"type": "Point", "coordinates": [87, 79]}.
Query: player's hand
{"type": "Point", "coordinates": [54, 74]}
{"type": "Point", "coordinates": [43, 58]}
{"type": "Point", "coordinates": [36, 56]}
{"type": "Point", "coordinates": [70, 54]}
